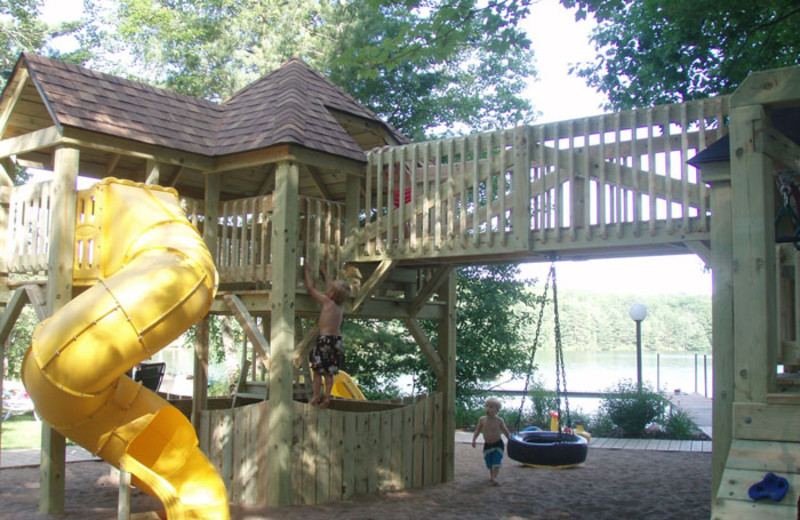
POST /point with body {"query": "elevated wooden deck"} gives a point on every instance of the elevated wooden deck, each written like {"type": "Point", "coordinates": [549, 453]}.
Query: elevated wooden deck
{"type": "Point", "coordinates": [606, 186]}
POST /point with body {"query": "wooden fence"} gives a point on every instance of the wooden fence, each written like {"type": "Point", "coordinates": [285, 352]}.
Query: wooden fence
{"type": "Point", "coordinates": [335, 453]}
{"type": "Point", "coordinates": [604, 179]}
{"type": "Point", "coordinates": [28, 238]}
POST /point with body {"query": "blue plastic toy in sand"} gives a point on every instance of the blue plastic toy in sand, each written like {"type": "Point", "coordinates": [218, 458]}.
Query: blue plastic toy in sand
{"type": "Point", "coordinates": [772, 487]}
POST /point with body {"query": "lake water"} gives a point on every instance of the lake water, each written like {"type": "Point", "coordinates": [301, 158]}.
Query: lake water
{"type": "Point", "coordinates": [600, 371]}
{"type": "Point", "coordinates": [585, 372]}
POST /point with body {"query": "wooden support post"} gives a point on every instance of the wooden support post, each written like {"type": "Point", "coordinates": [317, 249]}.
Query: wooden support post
{"type": "Point", "coordinates": [521, 188]}
{"type": "Point", "coordinates": [63, 208]}
{"type": "Point", "coordinates": [282, 306]}
{"type": "Point", "coordinates": [754, 279]}
{"type": "Point", "coordinates": [717, 175]}
{"type": "Point", "coordinates": [5, 294]}
{"type": "Point", "coordinates": [200, 371]}
{"type": "Point", "coordinates": [210, 232]}
{"type": "Point", "coordinates": [124, 499]}
{"type": "Point", "coordinates": [447, 383]}
{"type": "Point", "coordinates": [352, 202]}
{"type": "Point", "coordinates": [152, 174]}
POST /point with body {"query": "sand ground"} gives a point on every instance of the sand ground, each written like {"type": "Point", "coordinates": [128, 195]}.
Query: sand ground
{"type": "Point", "coordinates": [612, 484]}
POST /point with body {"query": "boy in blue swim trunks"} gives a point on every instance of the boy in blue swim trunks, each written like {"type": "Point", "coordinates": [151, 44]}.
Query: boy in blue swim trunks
{"type": "Point", "coordinates": [327, 356]}
{"type": "Point", "coordinates": [492, 427]}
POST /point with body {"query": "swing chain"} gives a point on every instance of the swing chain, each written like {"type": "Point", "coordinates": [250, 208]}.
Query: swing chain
{"type": "Point", "coordinates": [561, 374]}
{"type": "Point", "coordinates": [535, 343]}
{"type": "Point", "coordinates": [787, 185]}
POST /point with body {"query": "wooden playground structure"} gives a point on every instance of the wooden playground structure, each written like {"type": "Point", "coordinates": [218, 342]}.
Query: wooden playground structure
{"type": "Point", "coordinates": [313, 184]}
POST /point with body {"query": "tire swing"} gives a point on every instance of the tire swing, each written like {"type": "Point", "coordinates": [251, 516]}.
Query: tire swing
{"type": "Point", "coordinates": [548, 449]}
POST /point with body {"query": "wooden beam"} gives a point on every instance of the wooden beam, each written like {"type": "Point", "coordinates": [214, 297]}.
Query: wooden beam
{"type": "Point", "coordinates": [282, 339]}
{"type": "Point", "coordinates": [210, 236]}
{"type": "Point", "coordinates": [701, 248]}
{"type": "Point", "coordinates": [7, 172]}
{"type": "Point", "coordinates": [260, 343]}
{"type": "Point", "coordinates": [21, 81]}
{"type": "Point", "coordinates": [722, 318]}
{"type": "Point", "coordinates": [375, 279]}
{"type": "Point", "coordinates": [111, 165]}
{"type": "Point", "coordinates": [304, 347]}
{"type": "Point", "coordinates": [128, 147]}
{"type": "Point", "coordinates": [782, 149]}
{"type": "Point", "coordinates": [319, 183]}
{"type": "Point", "coordinates": [37, 300]}
{"type": "Point", "coordinates": [432, 285]}
{"type": "Point", "coordinates": [179, 170]}
{"type": "Point", "coordinates": [753, 202]}
{"type": "Point", "coordinates": [152, 172]}
{"type": "Point", "coordinates": [30, 142]}
{"type": "Point", "coordinates": [285, 152]}
{"type": "Point", "coordinates": [426, 346]}
{"type": "Point", "coordinates": [767, 87]}
{"type": "Point", "coordinates": [269, 181]}
{"type": "Point", "coordinates": [63, 212]}
{"type": "Point", "coordinates": [447, 383]}
{"type": "Point", "coordinates": [11, 312]}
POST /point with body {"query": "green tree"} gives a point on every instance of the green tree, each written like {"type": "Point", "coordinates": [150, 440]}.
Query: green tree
{"type": "Point", "coordinates": [667, 51]}
{"type": "Point", "coordinates": [21, 29]}
{"type": "Point", "coordinates": [493, 319]}
{"type": "Point", "coordinates": [423, 65]}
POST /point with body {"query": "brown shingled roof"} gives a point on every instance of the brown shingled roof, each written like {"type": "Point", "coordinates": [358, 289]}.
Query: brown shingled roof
{"type": "Point", "coordinates": [288, 106]}
{"type": "Point", "coordinates": [107, 104]}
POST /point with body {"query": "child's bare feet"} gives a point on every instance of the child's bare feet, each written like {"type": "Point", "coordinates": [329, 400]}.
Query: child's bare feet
{"type": "Point", "coordinates": [325, 403]}
{"type": "Point", "coordinates": [314, 401]}
{"type": "Point", "coordinates": [495, 482]}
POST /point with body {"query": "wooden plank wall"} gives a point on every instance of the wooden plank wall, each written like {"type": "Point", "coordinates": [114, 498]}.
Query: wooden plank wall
{"type": "Point", "coordinates": [335, 453]}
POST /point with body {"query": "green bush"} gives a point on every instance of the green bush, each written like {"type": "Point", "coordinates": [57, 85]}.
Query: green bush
{"type": "Point", "coordinates": [467, 416]}
{"type": "Point", "coordinates": [542, 403]}
{"type": "Point", "coordinates": [679, 425]}
{"type": "Point", "coordinates": [600, 425]}
{"type": "Point", "coordinates": [630, 410]}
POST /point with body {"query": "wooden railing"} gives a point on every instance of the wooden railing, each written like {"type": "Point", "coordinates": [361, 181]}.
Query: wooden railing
{"type": "Point", "coordinates": [244, 252]}
{"type": "Point", "coordinates": [612, 181]}
{"type": "Point", "coordinates": [583, 183]}
{"type": "Point", "coordinates": [28, 236]}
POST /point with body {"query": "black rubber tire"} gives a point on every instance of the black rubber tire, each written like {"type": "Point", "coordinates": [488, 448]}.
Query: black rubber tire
{"type": "Point", "coordinates": [544, 448]}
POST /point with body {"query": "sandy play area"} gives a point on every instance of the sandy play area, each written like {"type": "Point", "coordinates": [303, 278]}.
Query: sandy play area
{"type": "Point", "coordinates": [612, 484]}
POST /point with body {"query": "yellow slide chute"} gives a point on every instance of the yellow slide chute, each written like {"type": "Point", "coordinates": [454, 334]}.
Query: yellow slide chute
{"type": "Point", "coordinates": [344, 386]}
{"type": "Point", "coordinates": [156, 279]}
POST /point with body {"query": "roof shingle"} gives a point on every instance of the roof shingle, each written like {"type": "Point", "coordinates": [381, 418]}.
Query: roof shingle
{"type": "Point", "coordinates": [288, 106]}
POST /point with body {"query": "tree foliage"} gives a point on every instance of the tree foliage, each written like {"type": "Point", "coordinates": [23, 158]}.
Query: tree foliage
{"type": "Point", "coordinates": [419, 64]}
{"type": "Point", "coordinates": [21, 29]}
{"type": "Point", "coordinates": [668, 51]}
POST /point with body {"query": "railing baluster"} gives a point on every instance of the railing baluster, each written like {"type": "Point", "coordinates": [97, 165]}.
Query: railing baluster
{"type": "Point", "coordinates": [636, 163]}
{"type": "Point", "coordinates": [651, 175]}
{"type": "Point", "coordinates": [618, 192]}
{"type": "Point", "coordinates": [684, 167]}
{"type": "Point", "coordinates": [462, 225]}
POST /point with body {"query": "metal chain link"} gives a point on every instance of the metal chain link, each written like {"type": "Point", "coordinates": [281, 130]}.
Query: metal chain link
{"type": "Point", "coordinates": [561, 373]}
{"type": "Point", "coordinates": [535, 344]}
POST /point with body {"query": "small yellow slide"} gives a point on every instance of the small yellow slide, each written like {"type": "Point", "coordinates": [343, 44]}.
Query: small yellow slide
{"type": "Point", "coordinates": [344, 386]}
{"type": "Point", "coordinates": [155, 279]}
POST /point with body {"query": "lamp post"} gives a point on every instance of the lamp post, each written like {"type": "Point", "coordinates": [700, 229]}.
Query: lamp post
{"type": "Point", "coordinates": [638, 312]}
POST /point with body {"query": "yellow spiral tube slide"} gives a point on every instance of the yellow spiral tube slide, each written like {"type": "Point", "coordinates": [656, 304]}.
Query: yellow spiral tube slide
{"type": "Point", "coordinates": [157, 278]}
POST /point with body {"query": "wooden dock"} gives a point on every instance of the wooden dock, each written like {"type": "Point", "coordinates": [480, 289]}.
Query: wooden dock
{"type": "Point", "coordinates": [697, 406]}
